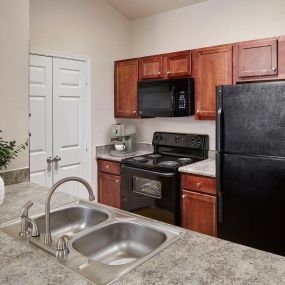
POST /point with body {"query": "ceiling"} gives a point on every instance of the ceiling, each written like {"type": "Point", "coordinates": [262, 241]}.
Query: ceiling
{"type": "Point", "coordinates": [134, 9]}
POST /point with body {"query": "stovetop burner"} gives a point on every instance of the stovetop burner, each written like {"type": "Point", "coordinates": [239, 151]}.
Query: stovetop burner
{"type": "Point", "coordinates": [154, 156]}
{"type": "Point", "coordinates": [185, 160]}
{"type": "Point", "coordinates": [168, 163]}
{"type": "Point", "coordinates": [171, 151]}
{"type": "Point", "coordinates": [139, 159]}
{"type": "Point", "coordinates": [158, 161]}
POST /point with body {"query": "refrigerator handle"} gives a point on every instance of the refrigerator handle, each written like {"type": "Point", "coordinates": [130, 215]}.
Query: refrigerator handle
{"type": "Point", "coordinates": [219, 107]}
{"type": "Point", "coordinates": [219, 188]}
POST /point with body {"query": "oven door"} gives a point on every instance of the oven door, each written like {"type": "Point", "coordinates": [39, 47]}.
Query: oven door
{"type": "Point", "coordinates": [151, 194]}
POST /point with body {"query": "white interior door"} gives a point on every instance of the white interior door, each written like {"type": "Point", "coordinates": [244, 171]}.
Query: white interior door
{"type": "Point", "coordinates": [70, 123]}
{"type": "Point", "coordinates": [40, 96]}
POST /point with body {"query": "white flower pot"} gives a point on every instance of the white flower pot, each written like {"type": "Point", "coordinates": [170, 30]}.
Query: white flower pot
{"type": "Point", "coordinates": [2, 190]}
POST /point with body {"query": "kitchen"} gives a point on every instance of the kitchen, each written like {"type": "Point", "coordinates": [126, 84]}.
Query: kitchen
{"type": "Point", "coordinates": [185, 29]}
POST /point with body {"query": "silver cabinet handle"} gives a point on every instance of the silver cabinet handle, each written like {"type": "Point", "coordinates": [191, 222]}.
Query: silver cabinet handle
{"type": "Point", "coordinates": [57, 158]}
{"type": "Point", "coordinates": [49, 160]}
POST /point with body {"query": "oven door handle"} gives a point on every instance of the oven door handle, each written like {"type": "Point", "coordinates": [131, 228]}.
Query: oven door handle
{"type": "Point", "coordinates": [152, 172]}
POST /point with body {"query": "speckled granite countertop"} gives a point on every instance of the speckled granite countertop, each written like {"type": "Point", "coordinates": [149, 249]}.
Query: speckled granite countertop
{"type": "Point", "coordinates": [205, 167]}
{"type": "Point", "coordinates": [193, 259]}
{"type": "Point", "coordinates": [103, 152]}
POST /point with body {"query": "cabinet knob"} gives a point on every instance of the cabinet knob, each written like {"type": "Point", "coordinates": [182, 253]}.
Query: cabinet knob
{"type": "Point", "coordinates": [198, 184]}
{"type": "Point", "coordinates": [159, 72]}
{"type": "Point", "coordinates": [183, 196]}
{"type": "Point", "coordinates": [117, 181]}
{"type": "Point", "coordinates": [274, 69]}
{"type": "Point", "coordinates": [168, 72]}
{"type": "Point", "coordinates": [107, 166]}
{"type": "Point", "coordinates": [134, 112]}
{"type": "Point", "coordinates": [198, 111]}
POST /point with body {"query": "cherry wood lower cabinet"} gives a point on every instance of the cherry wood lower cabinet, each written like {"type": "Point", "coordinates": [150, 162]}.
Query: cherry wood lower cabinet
{"type": "Point", "coordinates": [198, 209]}
{"type": "Point", "coordinates": [109, 189]}
{"type": "Point", "coordinates": [109, 183]}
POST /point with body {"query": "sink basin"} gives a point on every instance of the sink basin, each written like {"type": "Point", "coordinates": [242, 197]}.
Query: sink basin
{"type": "Point", "coordinates": [71, 220]}
{"type": "Point", "coordinates": [107, 243]}
{"type": "Point", "coordinates": [119, 243]}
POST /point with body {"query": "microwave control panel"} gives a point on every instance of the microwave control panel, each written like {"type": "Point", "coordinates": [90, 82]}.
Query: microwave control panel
{"type": "Point", "coordinates": [181, 100]}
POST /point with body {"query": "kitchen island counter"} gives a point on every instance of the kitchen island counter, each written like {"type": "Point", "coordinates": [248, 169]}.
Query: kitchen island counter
{"type": "Point", "coordinates": [193, 259]}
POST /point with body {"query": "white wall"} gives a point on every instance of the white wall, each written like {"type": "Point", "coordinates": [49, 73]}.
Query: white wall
{"type": "Point", "coordinates": [209, 23]}
{"type": "Point", "coordinates": [85, 28]}
{"type": "Point", "coordinates": [14, 49]}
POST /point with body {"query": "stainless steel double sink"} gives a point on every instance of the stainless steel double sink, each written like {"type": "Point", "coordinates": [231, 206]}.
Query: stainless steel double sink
{"type": "Point", "coordinates": [106, 243]}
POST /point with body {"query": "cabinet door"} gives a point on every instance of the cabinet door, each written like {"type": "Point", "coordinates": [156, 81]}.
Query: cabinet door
{"type": "Point", "coordinates": [199, 212]}
{"type": "Point", "coordinates": [213, 66]}
{"type": "Point", "coordinates": [177, 64]}
{"type": "Point", "coordinates": [151, 67]}
{"type": "Point", "coordinates": [126, 79]}
{"type": "Point", "coordinates": [109, 190]}
{"type": "Point", "coordinates": [256, 58]}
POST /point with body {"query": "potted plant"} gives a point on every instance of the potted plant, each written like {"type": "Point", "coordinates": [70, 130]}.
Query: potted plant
{"type": "Point", "coordinates": [8, 151]}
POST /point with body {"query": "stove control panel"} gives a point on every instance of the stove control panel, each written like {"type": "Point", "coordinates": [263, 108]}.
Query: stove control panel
{"type": "Point", "coordinates": [192, 141]}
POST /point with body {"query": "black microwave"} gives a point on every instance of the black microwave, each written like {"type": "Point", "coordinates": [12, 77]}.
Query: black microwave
{"type": "Point", "coordinates": [166, 98]}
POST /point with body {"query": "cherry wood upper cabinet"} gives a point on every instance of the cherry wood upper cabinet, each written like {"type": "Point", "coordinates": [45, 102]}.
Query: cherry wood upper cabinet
{"type": "Point", "coordinates": [259, 60]}
{"type": "Point", "coordinates": [177, 64]}
{"type": "Point", "coordinates": [126, 79]}
{"type": "Point", "coordinates": [212, 67]}
{"type": "Point", "coordinates": [151, 67]}
{"type": "Point", "coordinates": [256, 58]}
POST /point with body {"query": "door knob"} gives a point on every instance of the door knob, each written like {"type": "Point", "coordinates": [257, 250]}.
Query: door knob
{"type": "Point", "coordinates": [57, 158]}
{"type": "Point", "coordinates": [49, 160]}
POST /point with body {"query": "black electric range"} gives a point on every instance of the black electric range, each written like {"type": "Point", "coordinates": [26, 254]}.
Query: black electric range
{"type": "Point", "coordinates": [150, 183]}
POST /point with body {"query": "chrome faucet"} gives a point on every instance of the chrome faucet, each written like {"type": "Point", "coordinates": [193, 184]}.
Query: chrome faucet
{"type": "Point", "coordinates": [47, 237]}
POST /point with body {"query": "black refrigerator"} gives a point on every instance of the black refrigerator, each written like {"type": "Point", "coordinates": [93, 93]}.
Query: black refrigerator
{"type": "Point", "coordinates": [250, 163]}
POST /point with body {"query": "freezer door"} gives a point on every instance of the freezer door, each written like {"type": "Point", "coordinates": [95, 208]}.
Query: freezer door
{"type": "Point", "coordinates": [251, 119]}
{"type": "Point", "coordinates": [251, 201]}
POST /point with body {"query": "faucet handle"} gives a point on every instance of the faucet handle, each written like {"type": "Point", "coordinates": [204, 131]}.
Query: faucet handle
{"type": "Point", "coordinates": [62, 249]}
{"type": "Point", "coordinates": [25, 209]}
{"type": "Point", "coordinates": [24, 219]}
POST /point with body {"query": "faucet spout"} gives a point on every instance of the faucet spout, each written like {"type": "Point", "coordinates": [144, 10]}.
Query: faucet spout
{"type": "Point", "coordinates": [47, 237]}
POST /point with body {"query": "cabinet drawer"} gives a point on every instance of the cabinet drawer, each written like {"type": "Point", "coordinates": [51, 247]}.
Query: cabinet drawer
{"type": "Point", "coordinates": [199, 183]}
{"type": "Point", "coordinates": [109, 167]}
